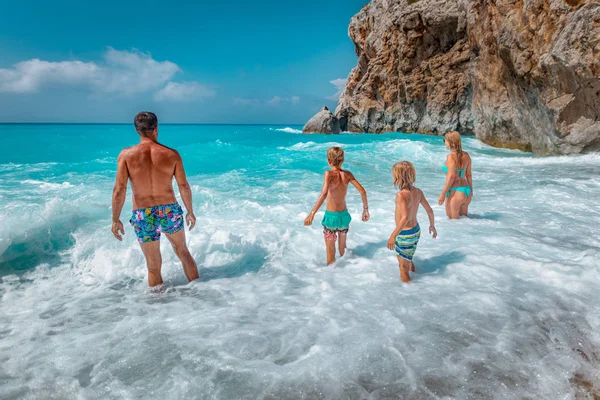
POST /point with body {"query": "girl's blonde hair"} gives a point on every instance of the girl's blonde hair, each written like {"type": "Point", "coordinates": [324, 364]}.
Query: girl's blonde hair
{"type": "Point", "coordinates": [455, 144]}
{"type": "Point", "coordinates": [335, 156]}
{"type": "Point", "coordinates": [404, 175]}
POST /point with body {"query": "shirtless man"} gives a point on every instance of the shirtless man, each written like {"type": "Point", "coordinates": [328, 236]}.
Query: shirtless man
{"type": "Point", "coordinates": [337, 218]}
{"type": "Point", "coordinates": [151, 168]}
{"type": "Point", "coordinates": [405, 237]}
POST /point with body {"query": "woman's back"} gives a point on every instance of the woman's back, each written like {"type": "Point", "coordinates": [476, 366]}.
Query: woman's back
{"type": "Point", "coordinates": [462, 166]}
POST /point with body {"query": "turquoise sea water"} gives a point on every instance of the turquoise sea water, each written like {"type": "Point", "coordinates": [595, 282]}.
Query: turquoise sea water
{"type": "Point", "coordinates": [504, 304]}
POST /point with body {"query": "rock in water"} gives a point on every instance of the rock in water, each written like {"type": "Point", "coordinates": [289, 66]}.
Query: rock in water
{"type": "Point", "coordinates": [518, 74]}
{"type": "Point", "coordinates": [323, 122]}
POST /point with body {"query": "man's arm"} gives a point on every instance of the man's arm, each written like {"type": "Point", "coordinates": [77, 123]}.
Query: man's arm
{"type": "Point", "coordinates": [401, 217]}
{"type": "Point", "coordinates": [363, 196]}
{"type": "Point", "coordinates": [119, 195]}
{"type": "Point", "coordinates": [185, 191]}
{"type": "Point", "coordinates": [308, 221]}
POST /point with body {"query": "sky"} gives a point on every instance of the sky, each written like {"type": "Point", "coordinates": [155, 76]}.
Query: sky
{"type": "Point", "coordinates": [272, 62]}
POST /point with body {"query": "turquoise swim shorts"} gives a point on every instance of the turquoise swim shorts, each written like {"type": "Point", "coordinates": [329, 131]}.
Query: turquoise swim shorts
{"type": "Point", "coordinates": [334, 223]}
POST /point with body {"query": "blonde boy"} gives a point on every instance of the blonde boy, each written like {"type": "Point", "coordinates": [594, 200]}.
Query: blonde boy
{"type": "Point", "coordinates": [405, 237]}
{"type": "Point", "coordinates": [336, 221]}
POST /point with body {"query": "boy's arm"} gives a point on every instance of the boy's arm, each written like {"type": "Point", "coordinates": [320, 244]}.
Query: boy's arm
{"type": "Point", "coordinates": [185, 191]}
{"type": "Point", "coordinates": [450, 175]}
{"type": "Point", "coordinates": [429, 211]}
{"type": "Point", "coordinates": [363, 196]}
{"type": "Point", "coordinates": [401, 217]}
{"type": "Point", "coordinates": [118, 197]}
{"type": "Point", "coordinates": [308, 221]}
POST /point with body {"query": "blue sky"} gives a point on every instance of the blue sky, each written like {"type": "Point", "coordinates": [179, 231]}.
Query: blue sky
{"type": "Point", "coordinates": [193, 62]}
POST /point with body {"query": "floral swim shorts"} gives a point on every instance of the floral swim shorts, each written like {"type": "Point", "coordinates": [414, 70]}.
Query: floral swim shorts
{"type": "Point", "coordinates": [148, 223]}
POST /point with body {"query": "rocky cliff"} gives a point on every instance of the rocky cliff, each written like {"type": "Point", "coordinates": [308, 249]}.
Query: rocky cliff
{"type": "Point", "coordinates": [515, 73]}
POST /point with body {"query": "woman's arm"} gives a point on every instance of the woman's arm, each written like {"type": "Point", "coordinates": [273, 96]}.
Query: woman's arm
{"type": "Point", "coordinates": [309, 220]}
{"type": "Point", "coordinates": [450, 177]}
{"type": "Point", "coordinates": [401, 217]}
{"type": "Point", "coordinates": [469, 175]}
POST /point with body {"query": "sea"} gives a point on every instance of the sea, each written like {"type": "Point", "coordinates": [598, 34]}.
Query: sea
{"type": "Point", "coordinates": [503, 305]}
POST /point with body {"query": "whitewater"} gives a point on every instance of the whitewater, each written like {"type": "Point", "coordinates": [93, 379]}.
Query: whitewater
{"type": "Point", "coordinates": [504, 304]}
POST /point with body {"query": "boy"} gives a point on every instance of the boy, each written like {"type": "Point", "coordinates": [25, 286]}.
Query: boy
{"type": "Point", "coordinates": [405, 237]}
{"type": "Point", "coordinates": [337, 218]}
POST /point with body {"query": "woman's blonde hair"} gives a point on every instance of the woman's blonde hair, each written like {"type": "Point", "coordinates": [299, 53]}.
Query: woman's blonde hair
{"type": "Point", "coordinates": [404, 175]}
{"type": "Point", "coordinates": [455, 144]}
{"type": "Point", "coordinates": [335, 156]}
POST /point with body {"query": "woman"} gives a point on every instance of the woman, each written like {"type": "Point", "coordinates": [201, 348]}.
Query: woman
{"type": "Point", "coordinates": [458, 190]}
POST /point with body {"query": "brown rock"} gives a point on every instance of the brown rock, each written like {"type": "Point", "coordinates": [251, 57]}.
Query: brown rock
{"type": "Point", "coordinates": [323, 122]}
{"type": "Point", "coordinates": [520, 74]}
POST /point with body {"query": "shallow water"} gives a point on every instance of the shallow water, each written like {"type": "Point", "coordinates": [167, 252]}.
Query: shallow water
{"type": "Point", "coordinates": [504, 305]}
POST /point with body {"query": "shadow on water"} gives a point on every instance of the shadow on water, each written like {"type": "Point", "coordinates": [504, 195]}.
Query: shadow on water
{"type": "Point", "coordinates": [252, 261]}
{"type": "Point", "coordinates": [438, 264]}
{"type": "Point", "coordinates": [492, 216]}
{"type": "Point", "coordinates": [369, 249]}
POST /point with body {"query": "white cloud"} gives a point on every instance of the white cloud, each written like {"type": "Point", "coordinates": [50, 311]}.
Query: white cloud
{"type": "Point", "coordinates": [29, 76]}
{"type": "Point", "coordinates": [134, 72]}
{"type": "Point", "coordinates": [126, 72]}
{"type": "Point", "coordinates": [183, 91]}
{"type": "Point", "coordinates": [339, 84]}
{"type": "Point", "coordinates": [295, 99]}
{"type": "Point", "coordinates": [275, 100]}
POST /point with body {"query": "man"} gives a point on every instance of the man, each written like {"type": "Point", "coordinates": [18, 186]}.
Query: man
{"type": "Point", "coordinates": [151, 168]}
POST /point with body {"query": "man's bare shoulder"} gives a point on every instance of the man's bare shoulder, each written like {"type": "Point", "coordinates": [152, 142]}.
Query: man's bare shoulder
{"type": "Point", "coordinates": [127, 152]}
{"type": "Point", "coordinates": [166, 151]}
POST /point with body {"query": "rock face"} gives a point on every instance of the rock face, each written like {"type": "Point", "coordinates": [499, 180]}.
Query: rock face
{"type": "Point", "coordinates": [323, 122]}
{"type": "Point", "coordinates": [514, 73]}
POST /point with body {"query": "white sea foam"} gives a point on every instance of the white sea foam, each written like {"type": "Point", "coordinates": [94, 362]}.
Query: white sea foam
{"type": "Point", "coordinates": [287, 129]}
{"type": "Point", "coordinates": [47, 185]}
{"type": "Point", "coordinates": [504, 305]}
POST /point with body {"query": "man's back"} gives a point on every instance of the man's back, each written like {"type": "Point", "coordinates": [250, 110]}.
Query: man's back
{"type": "Point", "coordinates": [151, 167]}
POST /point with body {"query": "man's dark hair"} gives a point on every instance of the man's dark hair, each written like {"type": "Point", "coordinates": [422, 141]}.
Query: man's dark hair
{"type": "Point", "coordinates": [145, 122]}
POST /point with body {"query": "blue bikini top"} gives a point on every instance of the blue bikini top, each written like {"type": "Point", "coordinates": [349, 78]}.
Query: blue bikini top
{"type": "Point", "coordinates": [461, 172]}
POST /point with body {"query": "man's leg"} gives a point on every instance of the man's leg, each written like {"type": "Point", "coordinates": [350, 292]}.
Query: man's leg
{"type": "Point", "coordinates": [177, 240]}
{"type": "Point", "coordinates": [151, 251]}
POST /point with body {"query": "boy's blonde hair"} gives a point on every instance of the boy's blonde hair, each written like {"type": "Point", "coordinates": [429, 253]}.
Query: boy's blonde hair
{"type": "Point", "coordinates": [335, 156]}
{"type": "Point", "coordinates": [404, 174]}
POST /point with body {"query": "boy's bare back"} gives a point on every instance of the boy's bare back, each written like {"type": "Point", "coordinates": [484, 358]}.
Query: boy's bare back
{"type": "Point", "coordinates": [151, 167]}
{"type": "Point", "coordinates": [411, 198]}
{"type": "Point", "coordinates": [337, 187]}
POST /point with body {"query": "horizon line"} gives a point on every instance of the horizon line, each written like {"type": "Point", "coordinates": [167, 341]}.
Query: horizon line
{"type": "Point", "coordinates": [131, 123]}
